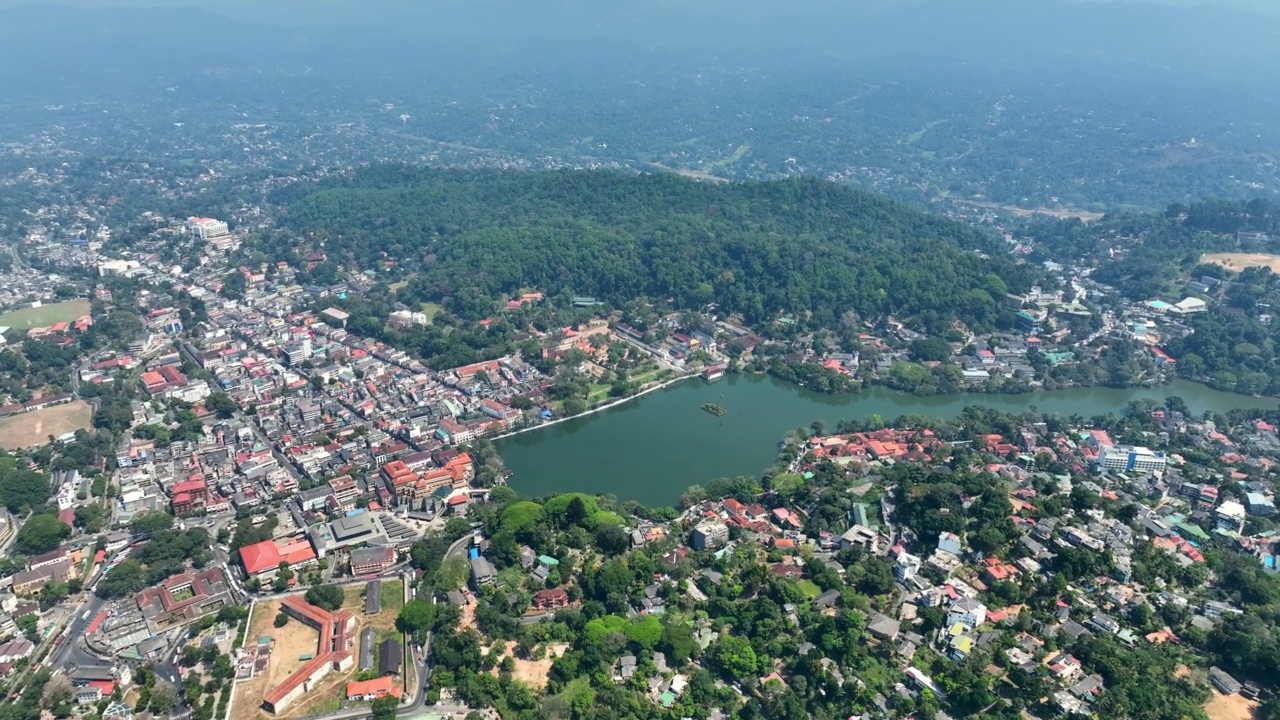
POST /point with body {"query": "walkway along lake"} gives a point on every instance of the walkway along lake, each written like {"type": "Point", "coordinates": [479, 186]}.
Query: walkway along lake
{"type": "Point", "coordinates": [652, 448]}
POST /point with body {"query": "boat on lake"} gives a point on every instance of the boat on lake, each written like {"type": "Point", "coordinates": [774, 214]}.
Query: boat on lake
{"type": "Point", "coordinates": [714, 409]}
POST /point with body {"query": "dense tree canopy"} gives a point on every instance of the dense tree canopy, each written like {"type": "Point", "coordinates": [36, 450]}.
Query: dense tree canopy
{"type": "Point", "coordinates": [41, 533]}
{"type": "Point", "coordinates": [805, 248]}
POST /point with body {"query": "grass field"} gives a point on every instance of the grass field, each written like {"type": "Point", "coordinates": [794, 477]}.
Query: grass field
{"type": "Point", "coordinates": [431, 310]}
{"type": "Point", "coordinates": [914, 137]}
{"type": "Point", "coordinates": [722, 163]}
{"type": "Point", "coordinates": [810, 589]}
{"type": "Point", "coordinates": [45, 315]}
{"type": "Point", "coordinates": [1239, 261]}
{"type": "Point", "coordinates": [34, 428]}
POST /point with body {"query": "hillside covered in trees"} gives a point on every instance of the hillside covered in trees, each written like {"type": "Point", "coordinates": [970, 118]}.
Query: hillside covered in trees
{"type": "Point", "coordinates": [808, 249]}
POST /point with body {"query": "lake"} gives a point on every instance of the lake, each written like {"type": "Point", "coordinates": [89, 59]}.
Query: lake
{"type": "Point", "coordinates": [652, 448]}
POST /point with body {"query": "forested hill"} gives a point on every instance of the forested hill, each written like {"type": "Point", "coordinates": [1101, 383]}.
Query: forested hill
{"type": "Point", "coordinates": [799, 247]}
{"type": "Point", "coordinates": [763, 249]}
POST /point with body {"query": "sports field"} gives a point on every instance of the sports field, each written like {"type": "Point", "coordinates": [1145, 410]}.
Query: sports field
{"type": "Point", "coordinates": [45, 315]}
{"type": "Point", "coordinates": [34, 428]}
{"type": "Point", "coordinates": [1240, 261]}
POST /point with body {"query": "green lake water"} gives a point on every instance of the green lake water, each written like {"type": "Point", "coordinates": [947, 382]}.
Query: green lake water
{"type": "Point", "coordinates": [653, 447]}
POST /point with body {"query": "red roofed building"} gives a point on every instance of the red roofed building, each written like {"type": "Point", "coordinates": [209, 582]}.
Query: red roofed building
{"type": "Point", "coordinates": [331, 652]}
{"type": "Point", "coordinates": [427, 483]}
{"type": "Point", "coordinates": [261, 560]}
{"type": "Point", "coordinates": [295, 551]}
{"type": "Point", "coordinates": [461, 469]}
{"type": "Point", "coordinates": [183, 599]}
{"type": "Point", "coordinates": [190, 495]}
{"type": "Point", "coordinates": [398, 473]}
{"type": "Point", "coordinates": [153, 383]}
{"type": "Point", "coordinates": [552, 599]}
{"type": "Point", "coordinates": [368, 690]}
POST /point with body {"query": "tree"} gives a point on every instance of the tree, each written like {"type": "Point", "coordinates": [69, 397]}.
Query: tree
{"type": "Point", "coordinates": [23, 489]}
{"type": "Point", "coordinates": [281, 620]}
{"type": "Point", "coordinates": [385, 708]}
{"type": "Point", "coordinates": [453, 573]}
{"type": "Point", "coordinates": [93, 518]}
{"type": "Point", "coordinates": [735, 656]}
{"type": "Point", "coordinates": [164, 697]}
{"type": "Point", "coordinates": [328, 597]}
{"type": "Point", "coordinates": [576, 513]}
{"type": "Point", "coordinates": [40, 534]}
{"type": "Point", "coordinates": [222, 404]}
{"type": "Point", "coordinates": [416, 618]}
{"type": "Point", "coordinates": [124, 579]}
{"type": "Point", "coordinates": [678, 642]}
{"type": "Point", "coordinates": [150, 523]}
{"type": "Point", "coordinates": [645, 632]}
{"type": "Point", "coordinates": [612, 539]}
{"type": "Point", "coordinates": [521, 518]}
{"type": "Point", "coordinates": [29, 623]}
{"type": "Point", "coordinates": [930, 349]}
{"type": "Point", "coordinates": [58, 691]}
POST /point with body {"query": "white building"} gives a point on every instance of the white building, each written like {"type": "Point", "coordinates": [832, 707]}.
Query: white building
{"type": "Point", "coordinates": [207, 228]}
{"type": "Point", "coordinates": [907, 567]}
{"type": "Point", "coordinates": [1230, 516]}
{"type": "Point", "coordinates": [967, 612]}
{"type": "Point", "coordinates": [1132, 459]}
{"type": "Point", "coordinates": [1190, 305]}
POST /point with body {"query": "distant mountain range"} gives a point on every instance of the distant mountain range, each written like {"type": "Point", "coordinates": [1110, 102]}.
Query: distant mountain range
{"type": "Point", "coordinates": [358, 37]}
{"type": "Point", "coordinates": [312, 12]}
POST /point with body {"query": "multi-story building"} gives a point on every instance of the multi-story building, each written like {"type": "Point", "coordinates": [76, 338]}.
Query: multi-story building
{"type": "Point", "coordinates": [456, 433]}
{"type": "Point", "coordinates": [190, 495]}
{"type": "Point", "coordinates": [345, 492]}
{"type": "Point", "coordinates": [906, 567]}
{"type": "Point", "coordinates": [1230, 516]}
{"type": "Point", "coordinates": [207, 228]}
{"type": "Point", "coordinates": [183, 599]}
{"type": "Point", "coordinates": [710, 535]}
{"type": "Point", "coordinates": [367, 561]}
{"type": "Point", "coordinates": [1131, 459]}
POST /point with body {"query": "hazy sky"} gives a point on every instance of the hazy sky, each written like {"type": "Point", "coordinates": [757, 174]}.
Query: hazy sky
{"type": "Point", "coordinates": [1270, 6]}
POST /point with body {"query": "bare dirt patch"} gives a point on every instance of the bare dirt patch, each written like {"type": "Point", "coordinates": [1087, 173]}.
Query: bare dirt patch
{"type": "Point", "coordinates": [468, 619]}
{"type": "Point", "coordinates": [288, 644]}
{"type": "Point", "coordinates": [1229, 707]}
{"type": "Point", "coordinates": [1239, 261]}
{"type": "Point", "coordinates": [692, 174]}
{"type": "Point", "coordinates": [532, 672]}
{"type": "Point", "coordinates": [34, 428]}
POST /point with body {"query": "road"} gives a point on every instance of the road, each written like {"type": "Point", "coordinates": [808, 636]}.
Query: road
{"type": "Point", "coordinates": [73, 650]}
{"type": "Point", "coordinates": [14, 525]}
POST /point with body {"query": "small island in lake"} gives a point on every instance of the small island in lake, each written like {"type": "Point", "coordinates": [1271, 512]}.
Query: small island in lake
{"type": "Point", "coordinates": [714, 409]}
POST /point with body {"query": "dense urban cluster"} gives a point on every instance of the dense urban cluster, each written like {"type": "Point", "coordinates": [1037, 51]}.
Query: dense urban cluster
{"type": "Point", "coordinates": [248, 412]}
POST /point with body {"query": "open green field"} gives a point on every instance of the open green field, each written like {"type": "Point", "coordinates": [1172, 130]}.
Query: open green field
{"type": "Point", "coordinates": [722, 163]}
{"type": "Point", "coordinates": [392, 596]}
{"type": "Point", "coordinates": [45, 315]}
{"type": "Point", "coordinates": [810, 588]}
{"type": "Point", "coordinates": [431, 310]}
{"type": "Point", "coordinates": [914, 137]}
